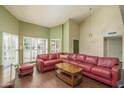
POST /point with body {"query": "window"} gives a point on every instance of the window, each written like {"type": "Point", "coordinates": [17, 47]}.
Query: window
{"type": "Point", "coordinates": [33, 47]}
{"type": "Point", "coordinates": [55, 45]}
{"type": "Point", "coordinates": [10, 49]}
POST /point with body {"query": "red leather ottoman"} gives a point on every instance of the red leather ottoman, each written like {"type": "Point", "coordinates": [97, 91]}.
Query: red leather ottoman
{"type": "Point", "coordinates": [25, 69]}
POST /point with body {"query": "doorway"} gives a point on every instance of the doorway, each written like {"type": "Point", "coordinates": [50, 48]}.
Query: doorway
{"type": "Point", "coordinates": [113, 47]}
{"type": "Point", "coordinates": [76, 46]}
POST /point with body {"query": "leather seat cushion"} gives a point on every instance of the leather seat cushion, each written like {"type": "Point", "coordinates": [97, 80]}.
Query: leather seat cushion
{"type": "Point", "coordinates": [101, 71]}
{"type": "Point", "coordinates": [52, 62]}
{"type": "Point", "coordinates": [26, 71]}
{"type": "Point", "coordinates": [74, 62]}
{"type": "Point", "coordinates": [86, 66]}
{"type": "Point", "coordinates": [26, 67]}
{"type": "Point", "coordinates": [63, 56]}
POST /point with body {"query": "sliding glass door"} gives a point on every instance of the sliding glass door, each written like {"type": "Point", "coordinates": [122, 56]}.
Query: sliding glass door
{"type": "Point", "coordinates": [33, 47]}
{"type": "Point", "coordinates": [10, 49]}
{"type": "Point", "coordinates": [27, 49]}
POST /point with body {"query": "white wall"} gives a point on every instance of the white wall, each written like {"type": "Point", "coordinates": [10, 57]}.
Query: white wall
{"type": "Point", "coordinates": [105, 19]}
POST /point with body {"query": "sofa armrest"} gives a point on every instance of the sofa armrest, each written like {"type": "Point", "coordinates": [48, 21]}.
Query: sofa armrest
{"type": "Point", "coordinates": [39, 60]}
{"type": "Point", "coordinates": [115, 75]}
{"type": "Point", "coordinates": [39, 64]}
{"type": "Point", "coordinates": [116, 68]}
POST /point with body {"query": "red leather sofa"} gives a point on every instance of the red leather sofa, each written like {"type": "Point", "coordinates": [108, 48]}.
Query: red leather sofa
{"type": "Point", "coordinates": [47, 62]}
{"type": "Point", "coordinates": [104, 69]}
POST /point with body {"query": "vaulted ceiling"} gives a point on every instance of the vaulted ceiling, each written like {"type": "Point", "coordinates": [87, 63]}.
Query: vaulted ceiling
{"type": "Point", "coordinates": [50, 15]}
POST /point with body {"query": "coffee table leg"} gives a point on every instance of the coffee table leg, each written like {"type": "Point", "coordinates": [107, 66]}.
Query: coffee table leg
{"type": "Point", "coordinates": [72, 80]}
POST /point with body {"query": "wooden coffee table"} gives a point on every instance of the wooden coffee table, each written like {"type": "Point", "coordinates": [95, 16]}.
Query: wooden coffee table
{"type": "Point", "coordinates": [69, 73]}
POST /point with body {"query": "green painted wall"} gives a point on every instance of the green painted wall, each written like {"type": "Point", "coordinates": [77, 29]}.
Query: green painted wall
{"type": "Point", "coordinates": [0, 48]}
{"type": "Point", "coordinates": [8, 23]}
{"type": "Point", "coordinates": [31, 30]}
{"type": "Point", "coordinates": [56, 33]}
{"type": "Point", "coordinates": [66, 37]}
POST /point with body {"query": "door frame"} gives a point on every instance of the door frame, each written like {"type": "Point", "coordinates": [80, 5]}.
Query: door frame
{"type": "Point", "coordinates": [113, 37]}
{"type": "Point", "coordinates": [78, 44]}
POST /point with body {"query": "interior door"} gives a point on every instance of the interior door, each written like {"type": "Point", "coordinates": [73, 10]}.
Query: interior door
{"type": "Point", "coordinates": [76, 46]}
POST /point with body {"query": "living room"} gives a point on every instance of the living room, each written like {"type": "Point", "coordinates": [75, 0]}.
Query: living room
{"type": "Point", "coordinates": [84, 33]}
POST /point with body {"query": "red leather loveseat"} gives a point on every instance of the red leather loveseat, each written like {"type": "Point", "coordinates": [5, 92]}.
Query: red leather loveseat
{"type": "Point", "coordinates": [104, 69]}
